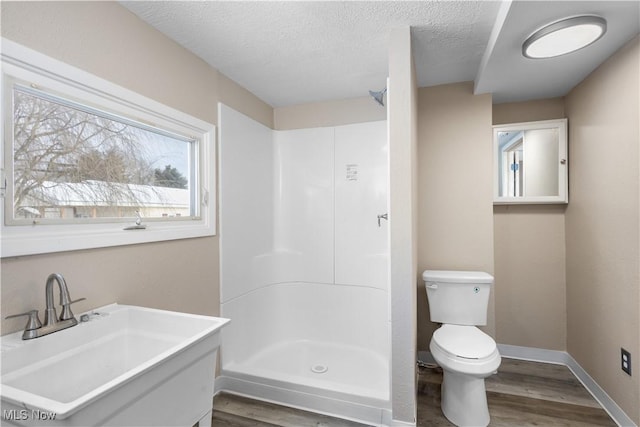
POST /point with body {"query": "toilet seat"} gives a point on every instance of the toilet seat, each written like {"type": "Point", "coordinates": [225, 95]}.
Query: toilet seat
{"type": "Point", "coordinates": [467, 342]}
{"type": "Point", "coordinates": [465, 350]}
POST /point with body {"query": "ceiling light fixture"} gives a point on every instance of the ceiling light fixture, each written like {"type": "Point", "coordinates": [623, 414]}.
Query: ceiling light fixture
{"type": "Point", "coordinates": [564, 36]}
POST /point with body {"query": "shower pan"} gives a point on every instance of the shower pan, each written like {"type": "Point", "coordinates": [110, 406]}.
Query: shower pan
{"type": "Point", "coordinates": [305, 266]}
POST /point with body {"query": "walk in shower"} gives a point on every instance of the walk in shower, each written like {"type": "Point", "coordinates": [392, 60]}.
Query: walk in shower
{"type": "Point", "coordinates": [305, 266]}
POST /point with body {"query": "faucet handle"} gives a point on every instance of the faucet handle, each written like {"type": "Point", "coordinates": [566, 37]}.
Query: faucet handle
{"type": "Point", "coordinates": [33, 322]}
{"type": "Point", "coordinates": [66, 309]}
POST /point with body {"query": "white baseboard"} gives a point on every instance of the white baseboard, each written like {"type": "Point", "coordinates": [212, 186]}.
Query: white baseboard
{"type": "Point", "coordinates": [564, 358]}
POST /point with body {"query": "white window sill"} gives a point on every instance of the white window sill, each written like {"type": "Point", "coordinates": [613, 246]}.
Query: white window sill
{"type": "Point", "coordinates": [58, 238]}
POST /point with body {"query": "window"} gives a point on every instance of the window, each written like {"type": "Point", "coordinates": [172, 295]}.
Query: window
{"type": "Point", "coordinates": [71, 162]}
{"type": "Point", "coordinates": [85, 160]}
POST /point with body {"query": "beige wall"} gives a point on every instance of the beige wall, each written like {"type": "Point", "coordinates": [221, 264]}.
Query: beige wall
{"type": "Point", "coordinates": [602, 225]}
{"type": "Point", "coordinates": [529, 111]}
{"type": "Point", "coordinates": [240, 99]}
{"type": "Point", "coordinates": [530, 287]}
{"type": "Point", "coordinates": [530, 276]}
{"type": "Point", "coordinates": [107, 40]}
{"type": "Point", "coordinates": [455, 187]}
{"type": "Point", "coordinates": [329, 113]}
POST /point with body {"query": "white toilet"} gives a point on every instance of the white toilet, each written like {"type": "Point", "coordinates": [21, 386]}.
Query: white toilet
{"type": "Point", "coordinates": [459, 300]}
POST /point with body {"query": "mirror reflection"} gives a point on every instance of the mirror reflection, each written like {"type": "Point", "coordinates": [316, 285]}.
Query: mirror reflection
{"type": "Point", "coordinates": [530, 162]}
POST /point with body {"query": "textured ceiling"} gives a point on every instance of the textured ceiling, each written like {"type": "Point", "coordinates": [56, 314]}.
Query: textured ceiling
{"type": "Point", "coordinates": [294, 52]}
{"type": "Point", "coordinates": [512, 77]}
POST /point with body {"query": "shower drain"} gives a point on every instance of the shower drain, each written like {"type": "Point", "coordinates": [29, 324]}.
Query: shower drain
{"type": "Point", "coordinates": [319, 369]}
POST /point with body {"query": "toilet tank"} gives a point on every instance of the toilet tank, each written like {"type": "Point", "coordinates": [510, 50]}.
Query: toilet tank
{"type": "Point", "coordinates": [458, 297]}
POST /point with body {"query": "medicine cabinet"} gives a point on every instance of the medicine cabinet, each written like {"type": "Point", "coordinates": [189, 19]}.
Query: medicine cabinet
{"type": "Point", "coordinates": [530, 163]}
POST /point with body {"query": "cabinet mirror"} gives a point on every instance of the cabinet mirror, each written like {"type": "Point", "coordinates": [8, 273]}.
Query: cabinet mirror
{"type": "Point", "coordinates": [530, 162]}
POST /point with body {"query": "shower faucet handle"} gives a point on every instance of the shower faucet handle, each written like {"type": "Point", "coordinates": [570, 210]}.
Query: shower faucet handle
{"type": "Point", "coordinates": [383, 216]}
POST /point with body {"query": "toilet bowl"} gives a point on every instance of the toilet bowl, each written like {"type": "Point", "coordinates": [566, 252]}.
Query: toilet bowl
{"type": "Point", "coordinates": [467, 356]}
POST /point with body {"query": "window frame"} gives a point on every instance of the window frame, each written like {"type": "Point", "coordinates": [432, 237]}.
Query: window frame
{"type": "Point", "coordinates": [24, 65]}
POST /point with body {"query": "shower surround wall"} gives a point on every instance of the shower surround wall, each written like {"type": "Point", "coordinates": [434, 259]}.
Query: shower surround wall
{"type": "Point", "coordinates": [304, 265]}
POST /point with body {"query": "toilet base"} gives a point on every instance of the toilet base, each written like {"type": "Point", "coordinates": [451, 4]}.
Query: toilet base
{"type": "Point", "coordinates": [464, 400]}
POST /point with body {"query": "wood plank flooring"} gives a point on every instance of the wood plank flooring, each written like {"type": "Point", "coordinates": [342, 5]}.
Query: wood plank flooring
{"type": "Point", "coordinates": [522, 394]}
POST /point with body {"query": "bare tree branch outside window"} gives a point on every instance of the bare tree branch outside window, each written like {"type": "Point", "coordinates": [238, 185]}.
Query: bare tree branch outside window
{"type": "Point", "coordinates": [70, 161]}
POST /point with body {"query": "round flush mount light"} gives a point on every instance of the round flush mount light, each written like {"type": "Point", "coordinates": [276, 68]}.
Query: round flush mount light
{"type": "Point", "coordinates": [564, 36]}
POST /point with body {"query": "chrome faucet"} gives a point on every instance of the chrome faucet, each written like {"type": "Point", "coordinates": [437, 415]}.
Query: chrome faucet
{"type": "Point", "coordinates": [50, 316]}
{"type": "Point", "coordinates": [52, 323]}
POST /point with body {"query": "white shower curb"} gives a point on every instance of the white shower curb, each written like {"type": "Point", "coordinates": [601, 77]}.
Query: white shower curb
{"type": "Point", "coordinates": [332, 405]}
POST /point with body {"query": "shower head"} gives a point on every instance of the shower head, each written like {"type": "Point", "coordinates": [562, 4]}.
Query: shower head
{"type": "Point", "coordinates": [378, 96]}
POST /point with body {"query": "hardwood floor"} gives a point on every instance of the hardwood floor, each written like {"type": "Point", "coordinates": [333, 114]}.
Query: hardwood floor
{"type": "Point", "coordinates": [237, 411]}
{"type": "Point", "coordinates": [522, 394]}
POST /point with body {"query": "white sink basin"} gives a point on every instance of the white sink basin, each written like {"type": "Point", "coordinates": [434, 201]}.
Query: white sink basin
{"type": "Point", "coordinates": [95, 372]}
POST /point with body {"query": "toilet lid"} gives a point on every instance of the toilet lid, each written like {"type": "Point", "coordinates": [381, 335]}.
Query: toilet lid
{"type": "Point", "coordinates": [464, 341]}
